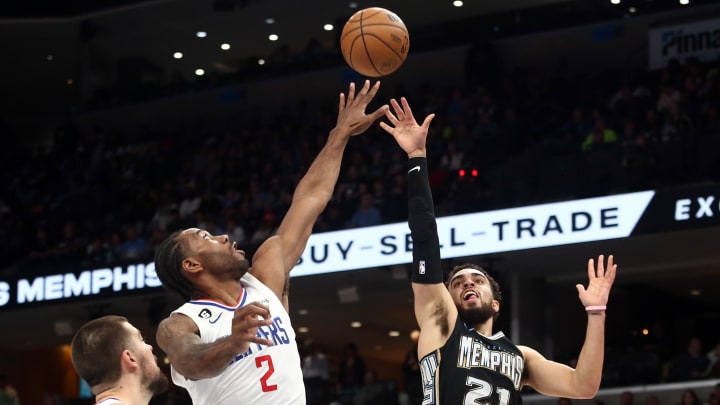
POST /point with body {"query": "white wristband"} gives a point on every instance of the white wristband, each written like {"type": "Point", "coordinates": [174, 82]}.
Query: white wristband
{"type": "Point", "coordinates": [596, 308]}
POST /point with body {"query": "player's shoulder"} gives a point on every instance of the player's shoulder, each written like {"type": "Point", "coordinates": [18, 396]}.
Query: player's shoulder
{"type": "Point", "coordinates": [178, 321]}
{"type": "Point", "coordinates": [170, 329]}
{"type": "Point", "coordinates": [270, 244]}
{"type": "Point", "coordinates": [529, 353]}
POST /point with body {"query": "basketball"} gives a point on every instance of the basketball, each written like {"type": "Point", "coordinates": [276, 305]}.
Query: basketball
{"type": "Point", "coordinates": [374, 42]}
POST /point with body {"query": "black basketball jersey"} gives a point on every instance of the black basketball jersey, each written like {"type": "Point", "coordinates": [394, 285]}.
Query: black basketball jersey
{"type": "Point", "coordinates": [473, 369]}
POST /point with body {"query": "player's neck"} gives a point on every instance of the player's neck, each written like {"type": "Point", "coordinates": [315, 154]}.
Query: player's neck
{"type": "Point", "coordinates": [126, 394]}
{"type": "Point", "coordinates": [227, 292]}
{"type": "Point", "coordinates": [485, 328]}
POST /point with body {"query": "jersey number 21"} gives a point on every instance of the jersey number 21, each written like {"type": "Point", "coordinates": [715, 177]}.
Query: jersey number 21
{"type": "Point", "coordinates": [481, 391]}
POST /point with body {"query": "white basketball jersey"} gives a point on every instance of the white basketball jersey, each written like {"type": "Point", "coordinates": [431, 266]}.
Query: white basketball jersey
{"type": "Point", "coordinates": [266, 375]}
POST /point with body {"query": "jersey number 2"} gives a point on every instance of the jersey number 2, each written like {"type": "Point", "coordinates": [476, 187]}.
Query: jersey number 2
{"type": "Point", "coordinates": [270, 370]}
{"type": "Point", "coordinates": [483, 390]}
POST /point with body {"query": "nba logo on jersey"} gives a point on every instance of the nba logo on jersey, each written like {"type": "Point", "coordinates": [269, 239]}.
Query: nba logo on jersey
{"type": "Point", "coordinates": [421, 267]}
{"type": "Point", "coordinates": [205, 314]}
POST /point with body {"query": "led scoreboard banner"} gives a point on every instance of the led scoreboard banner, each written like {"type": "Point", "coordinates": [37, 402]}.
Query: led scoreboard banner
{"type": "Point", "coordinates": [529, 227]}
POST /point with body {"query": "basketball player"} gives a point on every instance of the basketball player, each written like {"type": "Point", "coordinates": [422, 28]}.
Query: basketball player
{"type": "Point", "coordinates": [462, 361]}
{"type": "Point", "coordinates": [233, 343]}
{"type": "Point", "coordinates": [112, 357]}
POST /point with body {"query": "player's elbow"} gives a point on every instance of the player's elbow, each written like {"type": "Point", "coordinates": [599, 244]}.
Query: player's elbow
{"type": "Point", "coordinates": [192, 370]}
{"type": "Point", "coordinates": [587, 390]}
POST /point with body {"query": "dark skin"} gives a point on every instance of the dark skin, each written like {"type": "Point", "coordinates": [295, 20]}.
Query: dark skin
{"type": "Point", "coordinates": [214, 265]}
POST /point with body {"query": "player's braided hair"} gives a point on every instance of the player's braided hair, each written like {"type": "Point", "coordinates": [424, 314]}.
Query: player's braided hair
{"type": "Point", "coordinates": [168, 266]}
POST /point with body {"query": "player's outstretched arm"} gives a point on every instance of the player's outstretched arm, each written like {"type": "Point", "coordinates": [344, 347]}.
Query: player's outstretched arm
{"type": "Point", "coordinates": [276, 257]}
{"type": "Point", "coordinates": [179, 338]}
{"type": "Point", "coordinates": [434, 309]}
{"type": "Point", "coordinates": [551, 378]}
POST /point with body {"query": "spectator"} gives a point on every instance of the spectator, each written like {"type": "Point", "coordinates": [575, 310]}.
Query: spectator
{"type": "Point", "coordinates": [351, 375]}
{"type": "Point", "coordinates": [366, 214]}
{"type": "Point", "coordinates": [714, 396]}
{"type": "Point", "coordinates": [235, 231]}
{"type": "Point", "coordinates": [71, 244]}
{"type": "Point", "coordinates": [578, 127]}
{"type": "Point", "coordinates": [265, 228]}
{"type": "Point", "coordinates": [452, 159]}
{"type": "Point", "coordinates": [8, 394]}
{"type": "Point", "coordinates": [689, 365]}
{"type": "Point", "coordinates": [133, 247]}
{"type": "Point", "coordinates": [411, 372]}
{"type": "Point", "coordinates": [652, 399]}
{"type": "Point", "coordinates": [689, 397]}
{"type": "Point", "coordinates": [315, 375]}
{"type": "Point", "coordinates": [374, 392]}
{"type": "Point", "coordinates": [602, 135]}
{"type": "Point", "coordinates": [41, 245]}
{"type": "Point", "coordinates": [627, 398]}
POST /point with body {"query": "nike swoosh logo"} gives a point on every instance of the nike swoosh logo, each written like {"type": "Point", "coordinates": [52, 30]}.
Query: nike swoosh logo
{"type": "Point", "coordinates": [413, 169]}
{"type": "Point", "coordinates": [216, 319]}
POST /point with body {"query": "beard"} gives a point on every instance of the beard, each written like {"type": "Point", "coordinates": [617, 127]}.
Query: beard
{"type": "Point", "coordinates": [226, 264]}
{"type": "Point", "coordinates": [476, 315]}
{"type": "Point", "coordinates": [155, 383]}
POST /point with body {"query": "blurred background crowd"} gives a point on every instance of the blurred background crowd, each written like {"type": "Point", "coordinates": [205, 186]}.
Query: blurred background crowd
{"type": "Point", "coordinates": [507, 137]}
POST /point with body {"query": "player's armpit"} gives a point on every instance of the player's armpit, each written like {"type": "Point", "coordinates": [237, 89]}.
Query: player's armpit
{"type": "Point", "coordinates": [269, 266]}
{"type": "Point", "coordinates": [436, 315]}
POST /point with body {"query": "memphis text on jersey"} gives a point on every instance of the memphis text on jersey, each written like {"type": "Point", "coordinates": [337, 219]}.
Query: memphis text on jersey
{"type": "Point", "coordinates": [475, 354]}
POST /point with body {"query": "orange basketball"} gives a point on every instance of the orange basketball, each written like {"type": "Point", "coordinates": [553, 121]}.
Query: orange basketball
{"type": "Point", "coordinates": [374, 42]}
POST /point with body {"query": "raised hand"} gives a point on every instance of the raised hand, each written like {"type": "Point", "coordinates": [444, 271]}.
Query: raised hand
{"type": "Point", "coordinates": [351, 112]}
{"type": "Point", "coordinates": [245, 324]}
{"type": "Point", "coordinates": [600, 282]}
{"type": "Point", "coordinates": [407, 133]}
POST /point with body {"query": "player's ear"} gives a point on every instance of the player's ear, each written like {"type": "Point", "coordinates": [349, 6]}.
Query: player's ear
{"type": "Point", "coordinates": [191, 265]}
{"type": "Point", "coordinates": [128, 359]}
{"type": "Point", "coordinates": [496, 306]}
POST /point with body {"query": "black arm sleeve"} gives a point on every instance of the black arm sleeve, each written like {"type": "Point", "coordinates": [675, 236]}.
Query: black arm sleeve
{"type": "Point", "coordinates": [427, 268]}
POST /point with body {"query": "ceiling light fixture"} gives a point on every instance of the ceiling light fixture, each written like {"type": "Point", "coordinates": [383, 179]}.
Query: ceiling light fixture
{"type": "Point", "coordinates": [328, 27]}
{"type": "Point", "coordinates": [199, 72]}
{"type": "Point", "coordinates": [269, 21]}
{"type": "Point", "coordinates": [303, 329]}
{"type": "Point", "coordinates": [352, 4]}
{"type": "Point", "coordinates": [225, 46]}
{"type": "Point", "coordinates": [201, 34]}
{"type": "Point", "coordinates": [261, 61]}
{"type": "Point", "coordinates": [394, 333]}
{"type": "Point", "coordinates": [273, 37]}
{"type": "Point", "coordinates": [355, 324]}
{"type": "Point", "coordinates": [178, 55]}
{"type": "Point", "coordinates": [303, 312]}
{"type": "Point", "coordinates": [632, 10]}
{"type": "Point", "coordinates": [457, 3]}
{"type": "Point", "coordinates": [684, 2]}
{"type": "Point", "coordinates": [615, 1]}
